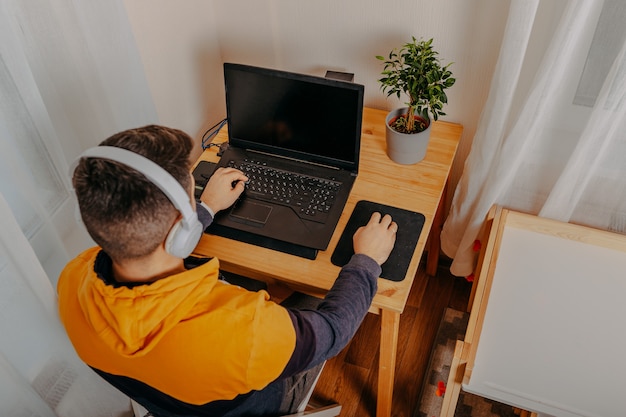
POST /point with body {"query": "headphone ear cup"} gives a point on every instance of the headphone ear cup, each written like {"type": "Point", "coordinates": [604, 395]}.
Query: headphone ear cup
{"type": "Point", "coordinates": [183, 237]}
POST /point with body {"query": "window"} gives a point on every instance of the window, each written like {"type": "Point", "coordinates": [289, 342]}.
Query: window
{"type": "Point", "coordinates": [605, 45]}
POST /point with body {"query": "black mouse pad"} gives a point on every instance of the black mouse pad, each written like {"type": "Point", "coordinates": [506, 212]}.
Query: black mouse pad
{"type": "Point", "coordinates": [410, 226]}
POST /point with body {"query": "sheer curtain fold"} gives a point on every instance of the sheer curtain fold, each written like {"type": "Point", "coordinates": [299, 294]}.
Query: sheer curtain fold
{"type": "Point", "coordinates": [593, 175]}
{"type": "Point", "coordinates": [490, 135]}
{"type": "Point", "coordinates": [40, 375]}
{"type": "Point", "coordinates": [535, 149]}
{"type": "Point", "coordinates": [70, 76]}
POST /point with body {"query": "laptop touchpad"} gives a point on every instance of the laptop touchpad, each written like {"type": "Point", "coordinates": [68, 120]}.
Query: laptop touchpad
{"type": "Point", "coordinates": [248, 212]}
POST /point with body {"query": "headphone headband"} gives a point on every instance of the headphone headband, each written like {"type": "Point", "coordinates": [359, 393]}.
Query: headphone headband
{"type": "Point", "coordinates": [151, 170]}
{"type": "Point", "coordinates": [185, 233]}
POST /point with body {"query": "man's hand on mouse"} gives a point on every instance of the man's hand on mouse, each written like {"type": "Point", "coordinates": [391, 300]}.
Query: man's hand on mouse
{"type": "Point", "coordinates": [376, 238]}
{"type": "Point", "coordinates": [223, 189]}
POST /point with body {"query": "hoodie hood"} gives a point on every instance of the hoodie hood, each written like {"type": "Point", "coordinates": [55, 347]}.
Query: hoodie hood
{"type": "Point", "coordinates": [133, 320]}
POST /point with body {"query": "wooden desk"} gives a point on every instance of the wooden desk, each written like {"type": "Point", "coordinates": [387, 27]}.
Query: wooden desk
{"type": "Point", "coordinates": [418, 187]}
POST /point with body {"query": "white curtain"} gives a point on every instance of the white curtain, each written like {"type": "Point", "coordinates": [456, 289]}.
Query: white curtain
{"type": "Point", "coordinates": [40, 375]}
{"type": "Point", "coordinates": [70, 76]}
{"type": "Point", "coordinates": [552, 136]}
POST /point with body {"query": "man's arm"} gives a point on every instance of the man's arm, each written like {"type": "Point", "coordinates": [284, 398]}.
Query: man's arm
{"type": "Point", "coordinates": [322, 333]}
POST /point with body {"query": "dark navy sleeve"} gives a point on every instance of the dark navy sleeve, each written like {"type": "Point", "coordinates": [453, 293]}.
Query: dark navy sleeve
{"type": "Point", "coordinates": [205, 217]}
{"type": "Point", "coordinates": [324, 332]}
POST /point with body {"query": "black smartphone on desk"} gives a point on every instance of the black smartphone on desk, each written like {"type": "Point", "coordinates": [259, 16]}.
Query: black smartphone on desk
{"type": "Point", "coordinates": [201, 174]}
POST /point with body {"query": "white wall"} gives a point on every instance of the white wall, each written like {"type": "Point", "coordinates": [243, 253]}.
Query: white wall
{"type": "Point", "coordinates": [183, 45]}
{"type": "Point", "coordinates": [178, 43]}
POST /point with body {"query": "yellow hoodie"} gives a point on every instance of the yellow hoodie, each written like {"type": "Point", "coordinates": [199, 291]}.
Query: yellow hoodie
{"type": "Point", "coordinates": [189, 335]}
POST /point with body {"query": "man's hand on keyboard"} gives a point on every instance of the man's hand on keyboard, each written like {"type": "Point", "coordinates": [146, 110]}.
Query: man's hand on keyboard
{"type": "Point", "coordinates": [224, 188]}
{"type": "Point", "coordinates": [377, 238]}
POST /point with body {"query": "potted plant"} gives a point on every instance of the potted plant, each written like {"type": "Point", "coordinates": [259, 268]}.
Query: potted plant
{"type": "Point", "coordinates": [414, 70]}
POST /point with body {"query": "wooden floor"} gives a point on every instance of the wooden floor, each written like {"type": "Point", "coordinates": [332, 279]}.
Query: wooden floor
{"type": "Point", "coordinates": [350, 379]}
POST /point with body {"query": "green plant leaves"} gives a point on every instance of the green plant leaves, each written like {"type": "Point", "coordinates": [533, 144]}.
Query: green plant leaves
{"type": "Point", "coordinates": [414, 70]}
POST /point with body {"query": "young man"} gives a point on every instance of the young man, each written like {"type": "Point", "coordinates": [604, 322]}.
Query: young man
{"type": "Point", "coordinates": [167, 331]}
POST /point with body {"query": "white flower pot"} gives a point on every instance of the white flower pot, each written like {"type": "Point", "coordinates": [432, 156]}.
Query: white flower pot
{"type": "Point", "coordinates": [405, 148]}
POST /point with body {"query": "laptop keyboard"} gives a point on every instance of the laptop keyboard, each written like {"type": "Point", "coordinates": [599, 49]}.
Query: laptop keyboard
{"type": "Point", "coordinates": [311, 197]}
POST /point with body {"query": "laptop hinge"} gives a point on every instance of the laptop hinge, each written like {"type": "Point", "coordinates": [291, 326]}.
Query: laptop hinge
{"type": "Point", "coordinates": [293, 159]}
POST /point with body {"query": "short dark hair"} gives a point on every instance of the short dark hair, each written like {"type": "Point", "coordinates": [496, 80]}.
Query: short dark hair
{"type": "Point", "coordinates": [123, 211]}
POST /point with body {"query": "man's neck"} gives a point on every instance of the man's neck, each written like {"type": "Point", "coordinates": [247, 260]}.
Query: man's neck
{"type": "Point", "coordinates": [153, 267]}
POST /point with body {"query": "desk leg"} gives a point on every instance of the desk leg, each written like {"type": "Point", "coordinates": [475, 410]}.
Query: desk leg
{"type": "Point", "coordinates": [390, 325]}
{"type": "Point", "coordinates": [434, 240]}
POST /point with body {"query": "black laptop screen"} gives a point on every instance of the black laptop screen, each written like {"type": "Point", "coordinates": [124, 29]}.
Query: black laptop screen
{"type": "Point", "coordinates": [294, 115]}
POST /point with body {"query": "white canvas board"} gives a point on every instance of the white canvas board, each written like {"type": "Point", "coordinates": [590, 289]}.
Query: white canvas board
{"type": "Point", "coordinates": [554, 334]}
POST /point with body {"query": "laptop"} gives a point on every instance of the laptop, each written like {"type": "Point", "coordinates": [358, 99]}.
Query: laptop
{"type": "Point", "coordinates": [297, 137]}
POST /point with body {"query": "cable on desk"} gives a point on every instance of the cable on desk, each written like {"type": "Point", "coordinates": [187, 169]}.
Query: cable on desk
{"type": "Point", "coordinates": [210, 134]}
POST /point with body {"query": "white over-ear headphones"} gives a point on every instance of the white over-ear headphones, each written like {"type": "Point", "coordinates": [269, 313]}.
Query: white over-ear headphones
{"type": "Point", "coordinates": [185, 234]}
